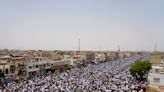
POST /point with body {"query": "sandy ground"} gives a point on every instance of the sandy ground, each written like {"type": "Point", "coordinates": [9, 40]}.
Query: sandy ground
{"type": "Point", "coordinates": [151, 89]}
{"type": "Point", "coordinates": [155, 59]}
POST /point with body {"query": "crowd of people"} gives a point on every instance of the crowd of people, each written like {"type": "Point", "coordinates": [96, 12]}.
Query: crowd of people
{"type": "Point", "coordinates": [112, 76]}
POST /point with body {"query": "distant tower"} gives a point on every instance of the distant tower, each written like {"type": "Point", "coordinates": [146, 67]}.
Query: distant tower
{"type": "Point", "coordinates": [100, 47]}
{"type": "Point", "coordinates": [78, 44]}
{"type": "Point", "coordinates": [155, 47]}
{"type": "Point", "coordinates": [118, 49]}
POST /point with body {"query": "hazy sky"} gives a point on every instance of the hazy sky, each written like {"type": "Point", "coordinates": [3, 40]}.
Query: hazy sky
{"type": "Point", "coordinates": [57, 24]}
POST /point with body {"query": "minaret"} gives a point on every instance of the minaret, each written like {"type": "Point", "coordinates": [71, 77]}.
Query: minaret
{"type": "Point", "coordinates": [155, 47]}
{"type": "Point", "coordinates": [100, 47]}
{"type": "Point", "coordinates": [118, 51]}
{"type": "Point", "coordinates": [78, 44]}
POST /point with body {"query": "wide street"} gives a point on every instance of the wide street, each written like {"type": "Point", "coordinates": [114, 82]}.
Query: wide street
{"type": "Point", "coordinates": [105, 77]}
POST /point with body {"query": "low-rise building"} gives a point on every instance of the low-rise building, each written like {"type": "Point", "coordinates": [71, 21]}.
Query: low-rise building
{"type": "Point", "coordinates": [7, 69]}
{"type": "Point", "coordinates": [100, 57]}
{"type": "Point", "coordinates": [156, 77]}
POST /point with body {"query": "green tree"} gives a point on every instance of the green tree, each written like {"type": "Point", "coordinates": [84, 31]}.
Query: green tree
{"type": "Point", "coordinates": [140, 68]}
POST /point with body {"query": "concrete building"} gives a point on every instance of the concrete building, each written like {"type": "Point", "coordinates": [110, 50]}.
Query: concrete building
{"type": "Point", "coordinates": [156, 77]}
{"type": "Point", "coordinates": [100, 57]}
{"type": "Point", "coordinates": [8, 68]}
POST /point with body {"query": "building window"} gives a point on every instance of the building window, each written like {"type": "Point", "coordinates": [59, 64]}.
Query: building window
{"type": "Point", "coordinates": [156, 70]}
{"type": "Point", "coordinates": [36, 66]}
{"type": "Point", "coordinates": [30, 67]}
{"type": "Point", "coordinates": [12, 71]}
{"type": "Point", "coordinates": [6, 71]}
{"type": "Point", "coordinates": [156, 80]}
{"type": "Point", "coordinates": [12, 68]}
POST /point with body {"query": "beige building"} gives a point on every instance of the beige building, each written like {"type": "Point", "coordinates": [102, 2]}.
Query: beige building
{"type": "Point", "coordinates": [156, 77]}
{"type": "Point", "coordinates": [8, 68]}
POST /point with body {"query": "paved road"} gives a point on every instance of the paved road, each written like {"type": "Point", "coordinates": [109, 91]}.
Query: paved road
{"type": "Point", "coordinates": [112, 76]}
